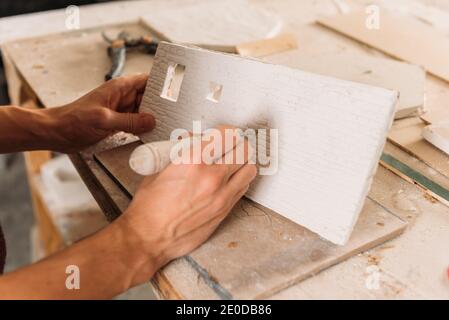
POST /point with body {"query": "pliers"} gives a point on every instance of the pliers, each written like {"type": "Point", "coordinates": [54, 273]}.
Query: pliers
{"type": "Point", "coordinates": [118, 47]}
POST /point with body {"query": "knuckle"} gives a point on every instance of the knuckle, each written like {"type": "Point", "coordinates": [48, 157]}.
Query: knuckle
{"type": "Point", "coordinates": [212, 181]}
{"type": "Point", "coordinates": [115, 82]}
{"type": "Point", "coordinates": [252, 168]}
{"type": "Point", "coordinates": [222, 170]}
{"type": "Point", "coordinates": [170, 232]}
{"type": "Point", "coordinates": [100, 116]}
{"type": "Point", "coordinates": [219, 203]}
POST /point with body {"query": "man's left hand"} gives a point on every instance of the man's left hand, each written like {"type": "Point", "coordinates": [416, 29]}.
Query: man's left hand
{"type": "Point", "coordinates": [110, 108]}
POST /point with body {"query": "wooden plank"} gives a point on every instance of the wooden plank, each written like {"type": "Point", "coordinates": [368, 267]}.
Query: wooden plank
{"type": "Point", "coordinates": [183, 279]}
{"type": "Point", "coordinates": [419, 166]}
{"type": "Point", "coordinates": [399, 37]}
{"type": "Point", "coordinates": [419, 257]}
{"type": "Point", "coordinates": [316, 117]}
{"type": "Point", "coordinates": [43, 66]}
{"type": "Point", "coordinates": [437, 135]}
{"type": "Point", "coordinates": [435, 190]}
{"type": "Point", "coordinates": [43, 23]}
{"type": "Point", "coordinates": [256, 252]}
{"type": "Point", "coordinates": [265, 47]}
{"type": "Point", "coordinates": [437, 101]}
{"type": "Point", "coordinates": [411, 266]}
{"type": "Point", "coordinates": [233, 22]}
{"type": "Point", "coordinates": [409, 80]}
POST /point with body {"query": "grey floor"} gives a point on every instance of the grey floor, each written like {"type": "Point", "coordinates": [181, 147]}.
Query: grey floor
{"type": "Point", "coordinates": [16, 215]}
{"type": "Point", "coordinates": [16, 218]}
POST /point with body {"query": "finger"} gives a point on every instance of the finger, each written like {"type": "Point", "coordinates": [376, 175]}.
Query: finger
{"type": "Point", "coordinates": [239, 195]}
{"type": "Point", "coordinates": [126, 92]}
{"type": "Point", "coordinates": [135, 123]}
{"type": "Point", "coordinates": [132, 83]}
{"type": "Point", "coordinates": [237, 157]}
{"type": "Point", "coordinates": [138, 102]}
{"type": "Point", "coordinates": [240, 180]}
{"type": "Point", "coordinates": [211, 146]}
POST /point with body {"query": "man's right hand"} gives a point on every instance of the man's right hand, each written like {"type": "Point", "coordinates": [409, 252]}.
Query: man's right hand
{"type": "Point", "coordinates": [180, 208]}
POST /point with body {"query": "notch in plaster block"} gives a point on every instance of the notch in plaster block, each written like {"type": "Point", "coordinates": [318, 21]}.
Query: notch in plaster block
{"type": "Point", "coordinates": [215, 91]}
{"type": "Point", "coordinates": [173, 81]}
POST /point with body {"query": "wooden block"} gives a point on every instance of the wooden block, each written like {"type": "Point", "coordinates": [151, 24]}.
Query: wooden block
{"type": "Point", "coordinates": [265, 47]}
{"type": "Point", "coordinates": [256, 252]}
{"type": "Point", "coordinates": [437, 97]}
{"type": "Point", "coordinates": [409, 80]}
{"type": "Point", "coordinates": [217, 25]}
{"type": "Point", "coordinates": [317, 117]}
{"type": "Point", "coordinates": [407, 134]}
{"type": "Point", "coordinates": [403, 38]}
{"type": "Point", "coordinates": [438, 135]}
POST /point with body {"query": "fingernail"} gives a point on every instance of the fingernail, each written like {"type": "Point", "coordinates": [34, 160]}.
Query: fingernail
{"type": "Point", "coordinates": [149, 122]}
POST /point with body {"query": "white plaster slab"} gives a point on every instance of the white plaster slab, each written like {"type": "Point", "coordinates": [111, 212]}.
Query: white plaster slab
{"type": "Point", "coordinates": [438, 135]}
{"type": "Point", "coordinates": [331, 132]}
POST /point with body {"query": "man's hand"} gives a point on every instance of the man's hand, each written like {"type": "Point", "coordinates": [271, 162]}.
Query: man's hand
{"type": "Point", "coordinates": [180, 208]}
{"type": "Point", "coordinates": [171, 214]}
{"type": "Point", "coordinates": [110, 108]}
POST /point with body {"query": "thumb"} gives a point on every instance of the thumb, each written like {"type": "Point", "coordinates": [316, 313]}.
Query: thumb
{"type": "Point", "coordinates": [135, 123]}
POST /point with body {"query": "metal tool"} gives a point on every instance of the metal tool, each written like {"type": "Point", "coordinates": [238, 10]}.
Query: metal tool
{"type": "Point", "coordinates": [118, 48]}
{"type": "Point", "coordinates": [151, 158]}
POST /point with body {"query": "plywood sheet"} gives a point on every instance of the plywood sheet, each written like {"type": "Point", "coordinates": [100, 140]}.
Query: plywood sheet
{"type": "Point", "coordinates": [409, 80]}
{"type": "Point", "coordinates": [256, 252]}
{"type": "Point", "coordinates": [401, 37]}
{"type": "Point", "coordinates": [316, 118]}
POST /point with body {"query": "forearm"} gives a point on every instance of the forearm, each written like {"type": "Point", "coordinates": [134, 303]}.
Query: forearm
{"type": "Point", "coordinates": [25, 129]}
{"type": "Point", "coordinates": [108, 263]}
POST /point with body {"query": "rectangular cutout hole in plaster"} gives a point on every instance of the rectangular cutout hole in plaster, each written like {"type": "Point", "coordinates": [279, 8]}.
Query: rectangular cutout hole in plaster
{"type": "Point", "coordinates": [173, 81]}
{"type": "Point", "coordinates": [215, 91]}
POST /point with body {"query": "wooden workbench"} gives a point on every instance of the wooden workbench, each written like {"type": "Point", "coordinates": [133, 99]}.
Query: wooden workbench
{"type": "Point", "coordinates": [410, 266]}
